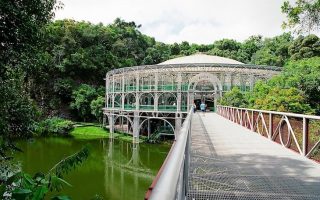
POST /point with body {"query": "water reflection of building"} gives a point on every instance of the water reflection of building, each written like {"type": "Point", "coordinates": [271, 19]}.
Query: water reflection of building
{"type": "Point", "coordinates": [124, 168]}
{"type": "Point", "coordinates": [156, 98]}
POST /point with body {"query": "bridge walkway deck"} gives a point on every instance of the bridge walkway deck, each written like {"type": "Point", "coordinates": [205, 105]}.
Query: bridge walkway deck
{"type": "Point", "coordinates": [229, 161]}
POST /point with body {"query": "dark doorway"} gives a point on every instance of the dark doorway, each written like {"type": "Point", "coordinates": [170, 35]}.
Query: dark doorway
{"type": "Point", "coordinates": [197, 102]}
{"type": "Point", "coordinates": [207, 98]}
{"type": "Point", "coordinates": [210, 104]}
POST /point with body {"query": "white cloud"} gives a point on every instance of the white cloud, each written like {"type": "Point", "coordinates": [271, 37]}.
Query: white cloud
{"type": "Point", "coordinates": [195, 21]}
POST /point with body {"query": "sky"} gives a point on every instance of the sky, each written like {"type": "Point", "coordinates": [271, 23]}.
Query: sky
{"type": "Point", "coordinates": [195, 21]}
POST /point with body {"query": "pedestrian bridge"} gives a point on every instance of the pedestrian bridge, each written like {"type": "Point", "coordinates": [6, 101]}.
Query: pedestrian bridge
{"type": "Point", "coordinates": [271, 156]}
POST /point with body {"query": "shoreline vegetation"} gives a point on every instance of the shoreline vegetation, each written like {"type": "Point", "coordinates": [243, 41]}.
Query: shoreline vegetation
{"type": "Point", "coordinates": [60, 127]}
{"type": "Point", "coordinates": [95, 131]}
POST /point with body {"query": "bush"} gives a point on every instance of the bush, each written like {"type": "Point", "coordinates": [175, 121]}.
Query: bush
{"type": "Point", "coordinates": [96, 107]}
{"type": "Point", "coordinates": [234, 98]}
{"type": "Point", "coordinates": [55, 126]}
{"type": "Point", "coordinates": [81, 99]}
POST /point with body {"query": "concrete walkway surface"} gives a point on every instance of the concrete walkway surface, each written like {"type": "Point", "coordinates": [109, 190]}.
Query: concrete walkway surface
{"type": "Point", "coordinates": [229, 161]}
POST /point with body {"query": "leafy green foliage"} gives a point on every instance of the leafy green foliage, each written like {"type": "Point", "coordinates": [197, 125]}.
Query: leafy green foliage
{"type": "Point", "coordinates": [226, 48]}
{"type": "Point", "coordinates": [274, 51]}
{"type": "Point", "coordinates": [76, 53]}
{"type": "Point", "coordinates": [233, 98]}
{"type": "Point", "coordinates": [17, 111]}
{"type": "Point", "coordinates": [304, 15]}
{"type": "Point", "coordinates": [248, 48]}
{"type": "Point", "coordinates": [20, 24]}
{"type": "Point", "coordinates": [96, 107]}
{"type": "Point", "coordinates": [271, 95]}
{"type": "Point", "coordinates": [69, 163]}
{"type": "Point", "coordinates": [63, 88]}
{"type": "Point", "coordinates": [81, 99]}
{"type": "Point", "coordinates": [158, 53]}
{"type": "Point", "coordinates": [305, 47]}
{"type": "Point", "coordinates": [283, 100]}
{"type": "Point", "coordinates": [23, 186]}
{"type": "Point", "coordinates": [305, 75]}
{"type": "Point", "coordinates": [54, 126]}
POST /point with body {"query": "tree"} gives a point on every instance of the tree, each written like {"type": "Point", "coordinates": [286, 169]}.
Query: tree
{"type": "Point", "coordinates": [234, 98]}
{"type": "Point", "coordinates": [158, 53]}
{"type": "Point", "coordinates": [175, 49]}
{"type": "Point", "coordinates": [304, 16]}
{"type": "Point", "coordinates": [21, 25]}
{"type": "Point", "coordinates": [81, 99]}
{"type": "Point", "coordinates": [305, 47]}
{"type": "Point", "coordinates": [96, 107]}
{"type": "Point", "coordinates": [248, 48]}
{"type": "Point", "coordinates": [283, 100]}
{"type": "Point", "coordinates": [225, 48]}
{"type": "Point", "coordinates": [17, 111]}
{"type": "Point", "coordinates": [274, 51]}
{"type": "Point", "coordinates": [276, 95]}
{"type": "Point", "coordinates": [63, 88]}
{"type": "Point", "coordinates": [305, 75]}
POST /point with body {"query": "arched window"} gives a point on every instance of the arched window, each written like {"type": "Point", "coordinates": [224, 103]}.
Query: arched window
{"type": "Point", "coordinates": [146, 101]}
{"type": "Point", "coordinates": [167, 102]}
{"type": "Point", "coordinates": [130, 101]}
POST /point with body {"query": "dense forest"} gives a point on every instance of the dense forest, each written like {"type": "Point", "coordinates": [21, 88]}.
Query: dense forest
{"type": "Point", "coordinates": [54, 69]}
{"type": "Point", "coordinates": [59, 70]}
{"type": "Point", "coordinates": [66, 78]}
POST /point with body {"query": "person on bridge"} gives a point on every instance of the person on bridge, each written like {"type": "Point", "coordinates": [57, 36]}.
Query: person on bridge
{"type": "Point", "coordinates": [203, 107]}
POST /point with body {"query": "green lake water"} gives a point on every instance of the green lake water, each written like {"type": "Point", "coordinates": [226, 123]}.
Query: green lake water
{"type": "Point", "coordinates": [114, 170]}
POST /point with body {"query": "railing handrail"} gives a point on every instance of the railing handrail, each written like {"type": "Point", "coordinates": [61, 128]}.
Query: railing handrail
{"type": "Point", "coordinates": [297, 136]}
{"type": "Point", "coordinates": [276, 112]}
{"type": "Point", "coordinates": [168, 179]}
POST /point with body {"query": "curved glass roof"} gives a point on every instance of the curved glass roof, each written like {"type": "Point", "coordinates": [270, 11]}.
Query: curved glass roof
{"type": "Point", "coordinates": [201, 62]}
{"type": "Point", "coordinates": [200, 58]}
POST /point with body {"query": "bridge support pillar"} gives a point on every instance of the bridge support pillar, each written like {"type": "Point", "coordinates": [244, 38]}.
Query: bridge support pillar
{"type": "Point", "coordinates": [136, 124]}
{"type": "Point", "coordinates": [111, 125]}
{"type": "Point", "coordinates": [149, 128]}
{"type": "Point", "coordinates": [104, 120]}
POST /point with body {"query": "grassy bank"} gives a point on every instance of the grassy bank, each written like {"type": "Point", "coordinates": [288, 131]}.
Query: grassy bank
{"type": "Point", "coordinates": [92, 131]}
{"type": "Point", "coordinates": [89, 132]}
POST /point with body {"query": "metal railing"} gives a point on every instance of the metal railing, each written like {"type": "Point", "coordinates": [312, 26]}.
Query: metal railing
{"type": "Point", "coordinates": [171, 181]}
{"type": "Point", "coordinates": [298, 132]}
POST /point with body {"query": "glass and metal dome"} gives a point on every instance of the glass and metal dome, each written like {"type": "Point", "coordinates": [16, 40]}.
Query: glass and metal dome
{"type": "Point", "coordinates": [150, 99]}
{"type": "Point", "coordinates": [200, 58]}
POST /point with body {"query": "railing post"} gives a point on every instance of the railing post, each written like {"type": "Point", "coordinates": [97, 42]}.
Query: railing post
{"type": "Point", "coordinates": [270, 125]}
{"type": "Point", "coordinates": [305, 136]}
{"type": "Point", "coordinates": [228, 113]}
{"type": "Point", "coordinates": [252, 122]}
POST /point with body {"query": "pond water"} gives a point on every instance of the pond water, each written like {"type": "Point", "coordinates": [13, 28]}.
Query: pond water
{"type": "Point", "coordinates": [114, 170]}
